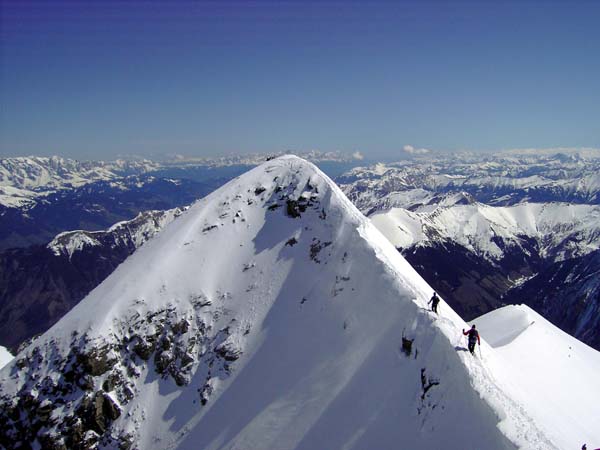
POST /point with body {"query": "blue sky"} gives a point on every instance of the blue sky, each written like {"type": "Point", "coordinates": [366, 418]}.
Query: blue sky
{"type": "Point", "coordinates": [98, 79]}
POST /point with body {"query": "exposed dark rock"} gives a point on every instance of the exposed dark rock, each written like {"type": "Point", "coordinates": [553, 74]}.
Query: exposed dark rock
{"type": "Point", "coordinates": [100, 412]}
{"type": "Point", "coordinates": [44, 411]}
{"type": "Point", "coordinates": [28, 401]}
{"type": "Point", "coordinates": [50, 441]}
{"type": "Point", "coordinates": [181, 327]}
{"type": "Point", "coordinates": [114, 379]}
{"type": "Point", "coordinates": [186, 359]}
{"type": "Point", "coordinates": [90, 440]}
{"type": "Point", "coordinates": [143, 349]}
{"type": "Point", "coordinates": [126, 441]}
{"type": "Point", "coordinates": [110, 407]}
{"type": "Point", "coordinates": [74, 426]}
{"type": "Point", "coordinates": [165, 343]}
{"type": "Point", "coordinates": [98, 361]}
{"type": "Point", "coordinates": [85, 382]}
{"type": "Point", "coordinates": [21, 363]}
{"type": "Point", "coordinates": [205, 393]}
{"type": "Point", "coordinates": [162, 361]}
{"type": "Point", "coordinates": [128, 394]}
{"type": "Point", "coordinates": [427, 384]}
{"type": "Point", "coordinates": [292, 208]}
{"type": "Point", "coordinates": [227, 352]}
{"type": "Point", "coordinates": [316, 247]}
{"type": "Point", "coordinates": [407, 346]}
{"type": "Point", "coordinates": [181, 379]}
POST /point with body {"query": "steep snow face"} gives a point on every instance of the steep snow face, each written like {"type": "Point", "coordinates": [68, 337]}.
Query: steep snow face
{"type": "Point", "coordinates": [5, 357]}
{"type": "Point", "coordinates": [541, 366]}
{"type": "Point", "coordinates": [271, 314]}
{"type": "Point", "coordinates": [561, 231]}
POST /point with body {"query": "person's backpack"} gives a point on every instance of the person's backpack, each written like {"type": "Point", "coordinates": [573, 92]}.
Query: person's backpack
{"type": "Point", "coordinates": [473, 335]}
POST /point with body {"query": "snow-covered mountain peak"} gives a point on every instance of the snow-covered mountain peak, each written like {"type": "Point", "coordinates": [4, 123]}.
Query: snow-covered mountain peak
{"type": "Point", "coordinates": [558, 230]}
{"type": "Point", "coordinates": [271, 314]}
{"type": "Point", "coordinates": [237, 223]}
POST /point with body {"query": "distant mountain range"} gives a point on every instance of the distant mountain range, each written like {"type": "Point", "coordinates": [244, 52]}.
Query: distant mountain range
{"type": "Point", "coordinates": [501, 179]}
{"type": "Point", "coordinates": [25, 180]}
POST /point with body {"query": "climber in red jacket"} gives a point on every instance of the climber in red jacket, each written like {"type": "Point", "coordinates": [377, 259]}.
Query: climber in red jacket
{"type": "Point", "coordinates": [473, 338]}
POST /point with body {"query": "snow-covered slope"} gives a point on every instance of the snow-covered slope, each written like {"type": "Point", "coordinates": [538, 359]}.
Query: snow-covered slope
{"type": "Point", "coordinates": [50, 280]}
{"type": "Point", "coordinates": [270, 315]}
{"type": "Point", "coordinates": [541, 366]}
{"type": "Point", "coordinates": [5, 357]}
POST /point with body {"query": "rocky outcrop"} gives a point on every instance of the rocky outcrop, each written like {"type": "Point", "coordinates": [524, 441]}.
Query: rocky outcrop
{"type": "Point", "coordinates": [87, 388]}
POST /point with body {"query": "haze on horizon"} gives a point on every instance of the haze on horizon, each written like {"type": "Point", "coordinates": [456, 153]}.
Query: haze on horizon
{"type": "Point", "coordinates": [93, 80]}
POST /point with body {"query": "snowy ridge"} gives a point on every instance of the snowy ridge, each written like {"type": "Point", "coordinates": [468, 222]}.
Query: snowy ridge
{"type": "Point", "coordinates": [134, 232]}
{"type": "Point", "coordinates": [560, 231]}
{"type": "Point", "coordinates": [269, 315]}
{"type": "Point", "coordinates": [535, 358]}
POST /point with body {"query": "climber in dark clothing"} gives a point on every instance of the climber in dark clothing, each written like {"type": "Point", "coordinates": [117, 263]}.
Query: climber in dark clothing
{"type": "Point", "coordinates": [434, 302]}
{"type": "Point", "coordinates": [473, 338]}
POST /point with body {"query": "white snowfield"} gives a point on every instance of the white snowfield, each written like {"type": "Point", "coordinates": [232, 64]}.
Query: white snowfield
{"type": "Point", "coordinates": [316, 306]}
{"type": "Point", "coordinates": [561, 230]}
{"type": "Point", "coordinates": [542, 367]}
{"type": "Point", "coordinates": [5, 357]}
